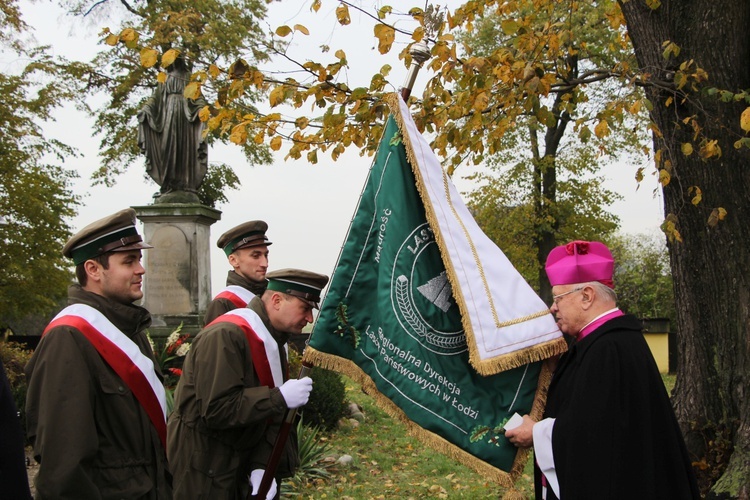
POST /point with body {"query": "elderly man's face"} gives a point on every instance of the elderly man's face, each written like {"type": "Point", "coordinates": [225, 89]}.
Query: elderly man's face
{"type": "Point", "coordinates": [566, 306]}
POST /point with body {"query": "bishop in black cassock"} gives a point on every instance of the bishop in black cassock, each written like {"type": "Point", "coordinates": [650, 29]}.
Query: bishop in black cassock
{"type": "Point", "coordinates": [609, 430]}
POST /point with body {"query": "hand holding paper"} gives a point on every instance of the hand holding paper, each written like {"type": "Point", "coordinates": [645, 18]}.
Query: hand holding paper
{"type": "Point", "coordinates": [513, 422]}
{"type": "Point", "coordinates": [519, 431]}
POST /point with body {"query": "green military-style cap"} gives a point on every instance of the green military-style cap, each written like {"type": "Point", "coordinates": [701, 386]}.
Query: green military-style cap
{"type": "Point", "coordinates": [246, 235]}
{"type": "Point", "coordinates": [303, 284]}
{"type": "Point", "coordinates": [116, 233]}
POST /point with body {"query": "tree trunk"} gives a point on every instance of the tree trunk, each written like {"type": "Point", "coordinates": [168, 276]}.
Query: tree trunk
{"type": "Point", "coordinates": [710, 266]}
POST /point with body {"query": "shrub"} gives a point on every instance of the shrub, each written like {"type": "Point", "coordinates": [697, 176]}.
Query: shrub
{"type": "Point", "coordinates": [14, 360]}
{"type": "Point", "coordinates": [295, 362]}
{"type": "Point", "coordinates": [327, 403]}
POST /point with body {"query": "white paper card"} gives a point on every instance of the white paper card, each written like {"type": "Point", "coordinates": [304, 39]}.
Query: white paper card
{"type": "Point", "coordinates": [514, 422]}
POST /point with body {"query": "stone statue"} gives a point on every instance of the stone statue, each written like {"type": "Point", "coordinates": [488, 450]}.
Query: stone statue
{"type": "Point", "coordinates": [170, 135]}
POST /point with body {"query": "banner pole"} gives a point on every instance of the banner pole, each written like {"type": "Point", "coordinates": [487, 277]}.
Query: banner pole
{"type": "Point", "coordinates": [278, 447]}
{"type": "Point", "coordinates": [419, 54]}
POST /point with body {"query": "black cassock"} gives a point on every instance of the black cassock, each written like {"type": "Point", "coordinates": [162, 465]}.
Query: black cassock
{"type": "Point", "coordinates": [615, 435]}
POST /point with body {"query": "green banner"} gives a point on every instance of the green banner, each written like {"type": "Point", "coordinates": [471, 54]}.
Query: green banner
{"type": "Point", "coordinates": [389, 320]}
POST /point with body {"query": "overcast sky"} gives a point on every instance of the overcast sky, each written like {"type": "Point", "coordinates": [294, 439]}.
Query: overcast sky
{"type": "Point", "coordinates": [308, 207]}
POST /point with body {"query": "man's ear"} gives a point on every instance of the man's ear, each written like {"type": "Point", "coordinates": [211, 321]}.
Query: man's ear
{"type": "Point", "coordinates": [93, 270]}
{"type": "Point", "coordinates": [587, 294]}
{"type": "Point", "coordinates": [233, 260]}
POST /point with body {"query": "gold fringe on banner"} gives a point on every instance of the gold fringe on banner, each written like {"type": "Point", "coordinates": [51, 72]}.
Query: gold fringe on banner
{"type": "Point", "coordinates": [351, 370]}
{"type": "Point", "coordinates": [499, 363]}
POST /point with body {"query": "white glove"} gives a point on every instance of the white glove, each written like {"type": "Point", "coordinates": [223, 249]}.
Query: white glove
{"type": "Point", "coordinates": [256, 477]}
{"type": "Point", "coordinates": [296, 392]}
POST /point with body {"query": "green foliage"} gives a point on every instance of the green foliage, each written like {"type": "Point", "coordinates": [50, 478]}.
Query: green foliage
{"type": "Point", "coordinates": [35, 194]}
{"type": "Point", "coordinates": [295, 361]}
{"type": "Point", "coordinates": [327, 403]}
{"type": "Point", "coordinates": [503, 206]}
{"type": "Point", "coordinates": [218, 181]}
{"type": "Point", "coordinates": [643, 279]}
{"type": "Point", "coordinates": [14, 360]}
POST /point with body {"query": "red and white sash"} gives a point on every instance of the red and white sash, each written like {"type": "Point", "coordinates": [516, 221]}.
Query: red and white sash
{"type": "Point", "coordinates": [123, 356]}
{"type": "Point", "coordinates": [263, 347]}
{"type": "Point", "coordinates": [237, 295]}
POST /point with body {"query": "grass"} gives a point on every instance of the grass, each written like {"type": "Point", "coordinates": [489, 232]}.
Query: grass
{"type": "Point", "coordinates": [388, 463]}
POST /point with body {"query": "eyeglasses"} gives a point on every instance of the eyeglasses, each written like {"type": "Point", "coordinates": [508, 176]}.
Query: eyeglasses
{"type": "Point", "coordinates": [556, 298]}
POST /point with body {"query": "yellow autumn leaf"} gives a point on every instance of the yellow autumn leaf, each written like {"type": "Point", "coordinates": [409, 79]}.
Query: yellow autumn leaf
{"type": "Point", "coordinates": [710, 149]}
{"type": "Point", "coordinates": [214, 71]}
{"type": "Point", "coordinates": [687, 148]}
{"type": "Point", "coordinates": [192, 90]}
{"type": "Point", "coordinates": [204, 114]}
{"type": "Point", "coordinates": [509, 27]}
{"type": "Point", "coordinates": [385, 35]}
{"type": "Point", "coordinates": [149, 57]}
{"type": "Point", "coordinates": [258, 78]}
{"type": "Point", "coordinates": [169, 57]}
{"type": "Point", "coordinates": [664, 177]}
{"type": "Point", "coordinates": [301, 123]}
{"type": "Point", "coordinates": [238, 135]}
{"type": "Point", "coordinates": [301, 29]}
{"type": "Point", "coordinates": [112, 40]}
{"type": "Point", "coordinates": [602, 129]}
{"type": "Point", "coordinates": [161, 77]}
{"type": "Point", "coordinates": [481, 101]}
{"type": "Point", "coordinates": [745, 120]}
{"type": "Point", "coordinates": [342, 15]}
{"type": "Point", "coordinates": [670, 229]}
{"type": "Point", "coordinates": [639, 176]}
{"type": "Point", "coordinates": [698, 194]}
{"type": "Point", "coordinates": [418, 34]}
{"type": "Point", "coordinates": [276, 143]}
{"type": "Point", "coordinates": [129, 35]}
{"type": "Point", "coordinates": [717, 214]}
{"type": "Point", "coordinates": [283, 31]}
{"type": "Point", "coordinates": [277, 96]}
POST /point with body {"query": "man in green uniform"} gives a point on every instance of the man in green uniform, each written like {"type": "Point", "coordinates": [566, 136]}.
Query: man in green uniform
{"type": "Point", "coordinates": [234, 392]}
{"type": "Point", "coordinates": [96, 411]}
{"type": "Point", "coordinates": [246, 247]}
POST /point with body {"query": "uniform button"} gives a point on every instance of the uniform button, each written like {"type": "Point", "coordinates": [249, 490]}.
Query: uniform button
{"type": "Point", "coordinates": [121, 389]}
{"type": "Point", "coordinates": [210, 473]}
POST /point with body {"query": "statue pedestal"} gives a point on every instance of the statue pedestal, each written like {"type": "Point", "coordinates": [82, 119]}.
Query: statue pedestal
{"type": "Point", "coordinates": [177, 283]}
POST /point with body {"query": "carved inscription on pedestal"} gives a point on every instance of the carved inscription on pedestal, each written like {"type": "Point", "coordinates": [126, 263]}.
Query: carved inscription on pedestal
{"type": "Point", "coordinates": [168, 272]}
